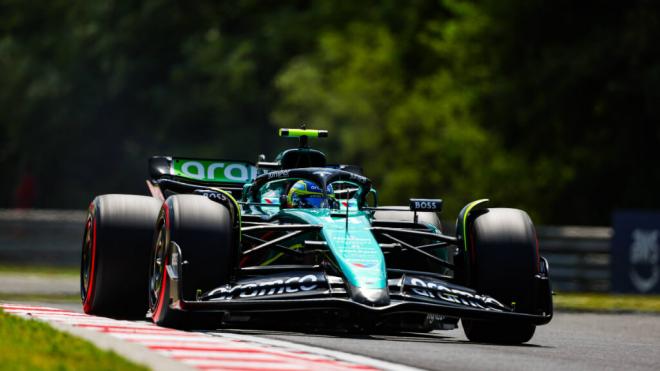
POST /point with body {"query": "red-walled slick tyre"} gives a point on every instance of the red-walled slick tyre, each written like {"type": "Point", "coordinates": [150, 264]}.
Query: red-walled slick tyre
{"type": "Point", "coordinates": [115, 255]}
{"type": "Point", "coordinates": [202, 230]}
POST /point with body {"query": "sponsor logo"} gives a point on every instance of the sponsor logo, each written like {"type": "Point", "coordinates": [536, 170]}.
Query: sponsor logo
{"type": "Point", "coordinates": [278, 174]}
{"type": "Point", "coordinates": [214, 196]}
{"type": "Point", "coordinates": [438, 290]}
{"type": "Point", "coordinates": [366, 264]}
{"type": "Point", "coordinates": [644, 256]}
{"type": "Point", "coordinates": [432, 205]}
{"type": "Point", "coordinates": [426, 205]}
{"type": "Point", "coordinates": [232, 172]}
{"type": "Point", "coordinates": [313, 187]}
{"type": "Point", "coordinates": [275, 286]}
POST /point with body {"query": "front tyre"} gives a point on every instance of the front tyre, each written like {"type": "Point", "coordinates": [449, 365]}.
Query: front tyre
{"type": "Point", "coordinates": [202, 230]}
{"type": "Point", "coordinates": [504, 259]}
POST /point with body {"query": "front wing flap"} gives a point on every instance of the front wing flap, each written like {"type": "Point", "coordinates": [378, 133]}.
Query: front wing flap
{"type": "Point", "coordinates": [315, 290]}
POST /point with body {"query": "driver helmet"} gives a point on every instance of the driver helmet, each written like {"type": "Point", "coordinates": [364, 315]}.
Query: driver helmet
{"type": "Point", "coordinates": [307, 194]}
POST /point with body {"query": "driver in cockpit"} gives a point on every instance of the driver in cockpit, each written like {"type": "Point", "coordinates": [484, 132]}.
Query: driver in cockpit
{"type": "Point", "coordinates": [307, 194]}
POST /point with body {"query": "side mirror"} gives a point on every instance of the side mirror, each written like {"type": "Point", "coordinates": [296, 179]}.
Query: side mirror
{"type": "Point", "coordinates": [371, 199]}
{"type": "Point", "coordinates": [283, 202]}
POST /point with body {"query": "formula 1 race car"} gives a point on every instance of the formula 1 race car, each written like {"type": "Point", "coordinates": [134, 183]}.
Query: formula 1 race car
{"type": "Point", "coordinates": [299, 240]}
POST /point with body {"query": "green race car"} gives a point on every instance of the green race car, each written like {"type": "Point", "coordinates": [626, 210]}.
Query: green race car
{"type": "Point", "coordinates": [298, 241]}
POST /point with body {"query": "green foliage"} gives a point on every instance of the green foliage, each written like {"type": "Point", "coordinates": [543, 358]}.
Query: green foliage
{"type": "Point", "coordinates": [602, 302]}
{"type": "Point", "coordinates": [33, 345]}
{"type": "Point", "coordinates": [530, 103]}
{"type": "Point", "coordinates": [533, 104]}
{"type": "Point", "coordinates": [89, 91]}
{"type": "Point", "coordinates": [44, 270]}
{"type": "Point", "coordinates": [574, 91]}
{"type": "Point", "coordinates": [414, 130]}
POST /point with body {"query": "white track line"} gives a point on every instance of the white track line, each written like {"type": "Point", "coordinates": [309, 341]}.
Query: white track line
{"type": "Point", "coordinates": [202, 354]}
{"type": "Point", "coordinates": [384, 365]}
{"type": "Point", "coordinates": [202, 350]}
{"type": "Point", "coordinates": [155, 336]}
{"type": "Point", "coordinates": [247, 364]}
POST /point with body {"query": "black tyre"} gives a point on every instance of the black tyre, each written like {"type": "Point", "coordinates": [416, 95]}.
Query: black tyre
{"type": "Point", "coordinates": [203, 231]}
{"type": "Point", "coordinates": [504, 259]}
{"type": "Point", "coordinates": [115, 255]}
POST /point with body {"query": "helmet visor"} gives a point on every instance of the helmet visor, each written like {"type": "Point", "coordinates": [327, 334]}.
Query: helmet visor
{"type": "Point", "coordinates": [311, 201]}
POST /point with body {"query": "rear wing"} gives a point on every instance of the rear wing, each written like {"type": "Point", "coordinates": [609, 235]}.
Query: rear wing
{"type": "Point", "coordinates": [171, 175]}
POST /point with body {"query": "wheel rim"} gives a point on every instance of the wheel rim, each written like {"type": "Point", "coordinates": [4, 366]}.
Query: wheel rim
{"type": "Point", "coordinates": [157, 267]}
{"type": "Point", "coordinates": [86, 263]}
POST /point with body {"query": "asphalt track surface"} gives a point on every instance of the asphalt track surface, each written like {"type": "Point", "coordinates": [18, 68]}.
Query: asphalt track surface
{"type": "Point", "coordinates": [572, 341]}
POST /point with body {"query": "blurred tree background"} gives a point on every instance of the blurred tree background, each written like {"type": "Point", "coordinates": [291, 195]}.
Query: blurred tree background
{"type": "Point", "coordinates": [549, 106]}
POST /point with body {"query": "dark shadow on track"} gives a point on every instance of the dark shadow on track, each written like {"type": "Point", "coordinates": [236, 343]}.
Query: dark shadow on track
{"type": "Point", "coordinates": [408, 337]}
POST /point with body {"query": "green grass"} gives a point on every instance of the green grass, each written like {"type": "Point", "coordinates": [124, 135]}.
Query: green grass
{"type": "Point", "coordinates": [602, 302]}
{"type": "Point", "coordinates": [40, 270]}
{"type": "Point", "coordinates": [33, 345]}
{"type": "Point", "coordinates": [46, 298]}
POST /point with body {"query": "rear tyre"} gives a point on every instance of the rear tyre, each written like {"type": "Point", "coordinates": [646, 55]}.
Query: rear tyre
{"type": "Point", "coordinates": [504, 259]}
{"type": "Point", "coordinates": [115, 255]}
{"type": "Point", "coordinates": [203, 231]}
